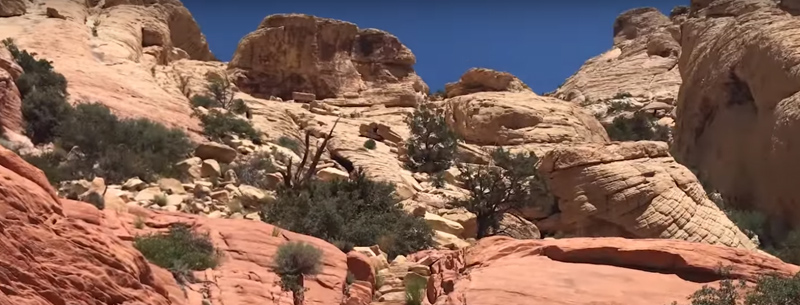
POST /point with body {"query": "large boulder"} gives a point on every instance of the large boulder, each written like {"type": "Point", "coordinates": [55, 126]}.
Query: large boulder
{"type": "Point", "coordinates": [737, 115]}
{"type": "Point", "coordinates": [642, 62]}
{"type": "Point", "coordinates": [10, 102]}
{"type": "Point", "coordinates": [519, 118]}
{"type": "Point", "coordinates": [603, 271]}
{"type": "Point", "coordinates": [329, 58]}
{"type": "Point", "coordinates": [11, 8]}
{"type": "Point", "coordinates": [633, 190]}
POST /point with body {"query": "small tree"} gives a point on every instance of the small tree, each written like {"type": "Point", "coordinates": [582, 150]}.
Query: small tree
{"type": "Point", "coordinates": [510, 182]}
{"type": "Point", "coordinates": [293, 262]}
{"type": "Point", "coordinates": [432, 145]}
{"type": "Point", "coordinates": [638, 127]}
{"type": "Point", "coordinates": [217, 125]}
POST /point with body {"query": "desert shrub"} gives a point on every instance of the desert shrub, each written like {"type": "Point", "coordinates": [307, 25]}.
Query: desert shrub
{"type": "Point", "coordinates": [293, 262]}
{"type": "Point", "coordinates": [289, 143]}
{"type": "Point", "coordinates": [203, 101]}
{"type": "Point", "coordinates": [51, 163]}
{"type": "Point", "coordinates": [788, 248]}
{"type": "Point", "coordinates": [437, 180]}
{"type": "Point", "coordinates": [160, 200]}
{"type": "Point", "coordinates": [510, 182]}
{"type": "Point", "coordinates": [415, 292]}
{"type": "Point", "coordinates": [622, 95]}
{"type": "Point", "coordinates": [44, 95]}
{"type": "Point", "coordinates": [370, 144]}
{"type": "Point", "coordinates": [359, 211]}
{"type": "Point", "coordinates": [432, 145]}
{"type": "Point", "coordinates": [178, 248]}
{"type": "Point", "coordinates": [638, 127]}
{"type": "Point", "coordinates": [119, 149]}
{"type": "Point", "coordinates": [254, 170]}
{"type": "Point", "coordinates": [768, 290]}
{"type": "Point", "coordinates": [217, 125]}
{"type": "Point", "coordinates": [96, 200]}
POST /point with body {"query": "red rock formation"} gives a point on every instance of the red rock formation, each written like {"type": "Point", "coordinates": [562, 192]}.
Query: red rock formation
{"type": "Point", "coordinates": [66, 252]}
{"type": "Point", "coordinates": [501, 270]}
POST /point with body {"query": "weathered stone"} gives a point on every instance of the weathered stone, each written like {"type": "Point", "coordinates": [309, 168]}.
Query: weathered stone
{"type": "Point", "coordinates": [212, 150]}
{"type": "Point", "coordinates": [210, 169]}
{"type": "Point", "coordinates": [171, 186]}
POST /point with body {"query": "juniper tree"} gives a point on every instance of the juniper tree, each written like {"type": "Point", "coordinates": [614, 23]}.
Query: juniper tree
{"type": "Point", "coordinates": [432, 145]}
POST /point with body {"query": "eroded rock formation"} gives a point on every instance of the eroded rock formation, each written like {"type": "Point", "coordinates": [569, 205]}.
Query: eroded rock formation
{"type": "Point", "coordinates": [633, 190]}
{"type": "Point", "coordinates": [330, 58]}
{"type": "Point", "coordinates": [737, 115]}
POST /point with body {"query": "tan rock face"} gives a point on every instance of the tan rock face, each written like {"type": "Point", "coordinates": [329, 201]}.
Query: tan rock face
{"type": "Point", "coordinates": [642, 62]}
{"type": "Point", "coordinates": [585, 271]}
{"type": "Point", "coordinates": [634, 190]}
{"type": "Point", "coordinates": [485, 80]}
{"type": "Point", "coordinates": [112, 67]}
{"type": "Point", "coordinates": [10, 103]}
{"type": "Point", "coordinates": [326, 57]}
{"type": "Point", "coordinates": [50, 258]}
{"type": "Point", "coordinates": [508, 118]}
{"type": "Point", "coordinates": [737, 119]}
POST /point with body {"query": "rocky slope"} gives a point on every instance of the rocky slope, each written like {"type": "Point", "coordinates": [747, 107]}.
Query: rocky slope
{"type": "Point", "coordinates": [737, 113]}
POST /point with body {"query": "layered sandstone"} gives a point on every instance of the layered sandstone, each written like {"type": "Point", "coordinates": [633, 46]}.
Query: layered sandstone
{"type": "Point", "coordinates": [642, 63]}
{"type": "Point", "coordinates": [737, 115]}
{"type": "Point", "coordinates": [633, 190]}
{"type": "Point", "coordinates": [605, 271]}
{"type": "Point", "coordinates": [329, 58]}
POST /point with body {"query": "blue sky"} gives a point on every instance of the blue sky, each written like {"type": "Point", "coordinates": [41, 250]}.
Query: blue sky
{"type": "Point", "coordinates": [541, 42]}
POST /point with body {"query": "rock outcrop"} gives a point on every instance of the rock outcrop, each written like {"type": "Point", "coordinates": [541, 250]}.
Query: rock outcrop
{"type": "Point", "coordinates": [737, 116]}
{"type": "Point", "coordinates": [500, 270]}
{"type": "Point", "coordinates": [642, 63]}
{"type": "Point", "coordinates": [633, 190]}
{"type": "Point", "coordinates": [10, 103]}
{"type": "Point", "coordinates": [132, 56]}
{"type": "Point", "coordinates": [485, 80]}
{"type": "Point", "coordinates": [329, 58]}
{"type": "Point", "coordinates": [49, 258]}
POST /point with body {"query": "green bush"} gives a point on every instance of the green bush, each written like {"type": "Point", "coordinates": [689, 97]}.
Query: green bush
{"type": "Point", "coordinates": [203, 101]}
{"type": "Point", "coordinates": [638, 127]}
{"type": "Point", "coordinates": [289, 143]}
{"type": "Point", "coordinates": [359, 211]}
{"type": "Point", "coordinates": [293, 262]}
{"type": "Point", "coordinates": [96, 200]}
{"type": "Point", "coordinates": [511, 182]}
{"type": "Point", "coordinates": [370, 144]}
{"type": "Point", "coordinates": [51, 163]}
{"type": "Point", "coordinates": [44, 95]}
{"type": "Point", "coordinates": [119, 149]}
{"type": "Point", "coordinates": [415, 292]}
{"type": "Point", "coordinates": [179, 247]}
{"type": "Point", "coordinates": [217, 125]}
{"type": "Point", "coordinates": [769, 290]}
{"type": "Point", "coordinates": [432, 145]}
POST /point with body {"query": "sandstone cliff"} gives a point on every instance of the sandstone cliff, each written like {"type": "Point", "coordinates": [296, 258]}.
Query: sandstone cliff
{"type": "Point", "coordinates": [642, 64]}
{"type": "Point", "coordinates": [737, 110]}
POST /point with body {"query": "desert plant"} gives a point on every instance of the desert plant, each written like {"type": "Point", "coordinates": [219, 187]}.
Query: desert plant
{"type": "Point", "coordinates": [178, 249]}
{"type": "Point", "coordinates": [95, 25]}
{"type": "Point", "coordinates": [432, 145]}
{"type": "Point", "coordinates": [276, 232]}
{"type": "Point", "coordinates": [254, 170]}
{"type": "Point", "coordinates": [119, 149]}
{"type": "Point", "coordinates": [203, 101]}
{"type": "Point", "coordinates": [509, 183]}
{"type": "Point", "coordinates": [415, 291]}
{"type": "Point", "coordinates": [622, 95]}
{"type": "Point", "coordinates": [638, 127]}
{"type": "Point", "coordinates": [218, 125]}
{"type": "Point", "coordinates": [50, 162]}
{"type": "Point", "coordinates": [96, 200]}
{"type": "Point", "coordinates": [350, 278]}
{"type": "Point", "coordinates": [768, 290]}
{"type": "Point", "coordinates": [370, 144]}
{"type": "Point", "coordinates": [293, 262]}
{"type": "Point", "coordinates": [138, 222]}
{"type": "Point", "coordinates": [356, 211]}
{"type": "Point", "coordinates": [300, 175]}
{"type": "Point", "coordinates": [289, 143]}
{"type": "Point", "coordinates": [437, 180]}
{"type": "Point", "coordinates": [160, 200]}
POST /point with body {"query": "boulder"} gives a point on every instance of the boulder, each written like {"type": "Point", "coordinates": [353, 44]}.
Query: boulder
{"type": "Point", "coordinates": [213, 150]}
{"type": "Point", "coordinates": [210, 169]}
{"type": "Point", "coordinates": [192, 167]}
{"type": "Point", "coordinates": [635, 190]}
{"type": "Point", "coordinates": [11, 8]}
{"type": "Point", "coordinates": [327, 58]}
{"type": "Point", "coordinates": [303, 97]}
{"type": "Point", "coordinates": [332, 173]}
{"type": "Point", "coordinates": [379, 132]}
{"type": "Point", "coordinates": [171, 186]}
{"type": "Point", "coordinates": [360, 265]}
{"type": "Point", "coordinates": [440, 223]}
